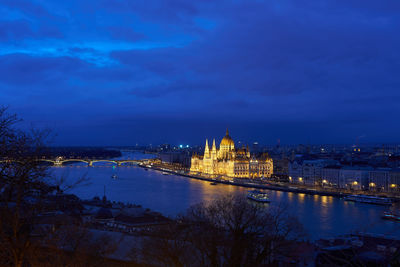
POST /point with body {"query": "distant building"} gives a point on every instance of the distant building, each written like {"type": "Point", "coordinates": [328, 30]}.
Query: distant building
{"type": "Point", "coordinates": [173, 157]}
{"type": "Point", "coordinates": [331, 175]}
{"type": "Point", "coordinates": [281, 167]}
{"type": "Point", "coordinates": [353, 178]}
{"type": "Point", "coordinates": [232, 162]}
{"type": "Point", "coordinates": [394, 181]}
{"type": "Point", "coordinates": [379, 180]}
{"type": "Point", "coordinates": [165, 147]}
{"type": "Point", "coordinates": [308, 172]}
{"type": "Point", "coordinates": [295, 170]}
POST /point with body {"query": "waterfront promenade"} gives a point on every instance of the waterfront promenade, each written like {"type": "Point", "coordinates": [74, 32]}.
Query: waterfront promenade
{"type": "Point", "coordinates": [265, 184]}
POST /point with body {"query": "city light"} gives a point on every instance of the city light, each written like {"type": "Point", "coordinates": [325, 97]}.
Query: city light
{"type": "Point", "coordinates": [240, 162]}
{"type": "Point", "coordinates": [109, 80]}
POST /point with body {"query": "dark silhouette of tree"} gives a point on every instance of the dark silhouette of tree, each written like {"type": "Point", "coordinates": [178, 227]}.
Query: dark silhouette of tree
{"type": "Point", "coordinates": [26, 237]}
{"type": "Point", "coordinates": [230, 231]}
{"type": "Point", "coordinates": [21, 187]}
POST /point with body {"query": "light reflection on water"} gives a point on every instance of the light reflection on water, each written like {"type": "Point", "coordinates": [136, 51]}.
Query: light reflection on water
{"type": "Point", "coordinates": [322, 216]}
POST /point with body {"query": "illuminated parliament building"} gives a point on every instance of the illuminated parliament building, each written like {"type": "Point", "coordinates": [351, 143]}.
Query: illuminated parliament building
{"type": "Point", "coordinates": [228, 161]}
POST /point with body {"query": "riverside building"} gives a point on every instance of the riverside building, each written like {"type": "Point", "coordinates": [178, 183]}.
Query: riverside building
{"type": "Point", "coordinates": [231, 162]}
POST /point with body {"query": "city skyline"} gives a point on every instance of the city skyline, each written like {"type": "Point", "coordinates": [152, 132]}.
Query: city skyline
{"type": "Point", "coordinates": [199, 133]}
{"type": "Point", "coordinates": [119, 73]}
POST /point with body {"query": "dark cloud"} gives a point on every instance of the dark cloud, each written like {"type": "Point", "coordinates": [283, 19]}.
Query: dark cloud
{"type": "Point", "coordinates": [125, 33]}
{"type": "Point", "coordinates": [22, 69]}
{"type": "Point", "coordinates": [170, 11]}
{"type": "Point", "coordinates": [14, 31]}
{"type": "Point", "coordinates": [19, 30]}
{"type": "Point", "coordinates": [325, 68]}
{"type": "Point", "coordinates": [27, 7]}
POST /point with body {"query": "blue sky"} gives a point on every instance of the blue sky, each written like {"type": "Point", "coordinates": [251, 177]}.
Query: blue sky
{"type": "Point", "coordinates": [113, 72]}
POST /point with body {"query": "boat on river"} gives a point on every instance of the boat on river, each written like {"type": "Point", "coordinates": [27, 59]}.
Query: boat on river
{"type": "Point", "coordinates": [391, 216]}
{"type": "Point", "coordinates": [369, 199]}
{"type": "Point", "coordinates": [213, 183]}
{"type": "Point", "coordinates": [114, 176]}
{"type": "Point", "coordinates": [258, 196]}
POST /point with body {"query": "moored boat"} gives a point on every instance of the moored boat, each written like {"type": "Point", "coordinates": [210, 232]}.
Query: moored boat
{"type": "Point", "coordinates": [369, 199]}
{"type": "Point", "coordinates": [257, 195]}
{"type": "Point", "coordinates": [213, 183]}
{"type": "Point", "coordinates": [391, 216]}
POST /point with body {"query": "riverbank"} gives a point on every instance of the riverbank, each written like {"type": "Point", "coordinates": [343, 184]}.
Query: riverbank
{"type": "Point", "coordinates": [267, 186]}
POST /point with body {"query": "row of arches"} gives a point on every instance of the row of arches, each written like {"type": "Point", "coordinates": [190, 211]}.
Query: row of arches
{"type": "Point", "coordinates": [89, 162]}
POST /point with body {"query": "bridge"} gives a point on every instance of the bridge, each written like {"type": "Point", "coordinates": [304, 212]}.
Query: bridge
{"type": "Point", "coordinates": [60, 161]}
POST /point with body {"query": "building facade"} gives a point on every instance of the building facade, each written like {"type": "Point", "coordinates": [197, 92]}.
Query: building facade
{"type": "Point", "coordinates": [308, 172]}
{"type": "Point", "coordinates": [394, 181]}
{"type": "Point", "coordinates": [354, 178]}
{"type": "Point", "coordinates": [379, 180]}
{"type": "Point", "coordinates": [331, 175]}
{"type": "Point", "coordinates": [231, 162]}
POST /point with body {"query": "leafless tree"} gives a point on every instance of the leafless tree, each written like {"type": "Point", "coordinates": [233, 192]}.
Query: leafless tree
{"type": "Point", "coordinates": [229, 231]}
{"type": "Point", "coordinates": [24, 191]}
{"type": "Point", "coordinates": [21, 185]}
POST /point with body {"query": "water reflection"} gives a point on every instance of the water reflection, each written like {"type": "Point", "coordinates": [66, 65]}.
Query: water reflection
{"type": "Point", "coordinates": [301, 197]}
{"type": "Point", "coordinates": [290, 196]}
{"type": "Point", "coordinates": [324, 200]}
{"type": "Point", "coordinates": [322, 216]}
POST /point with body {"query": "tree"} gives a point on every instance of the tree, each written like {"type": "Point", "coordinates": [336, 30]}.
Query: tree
{"type": "Point", "coordinates": [25, 237]}
{"type": "Point", "coordinates": [21, 185]}
{"type": "Point", "coordinates": [229, 231]}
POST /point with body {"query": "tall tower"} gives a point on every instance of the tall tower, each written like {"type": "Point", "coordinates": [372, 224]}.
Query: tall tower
{"type": "Point", "coordinates": [214, 151]}
{"type": "Point", "coordinates": [206, 150]}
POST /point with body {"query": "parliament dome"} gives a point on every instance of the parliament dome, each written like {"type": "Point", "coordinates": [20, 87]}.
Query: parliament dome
{"type": "Point", "coordinates": [227, 140]}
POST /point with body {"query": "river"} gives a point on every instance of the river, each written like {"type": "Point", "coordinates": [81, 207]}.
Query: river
{"type": "Point", "coordinates": [322, 216]}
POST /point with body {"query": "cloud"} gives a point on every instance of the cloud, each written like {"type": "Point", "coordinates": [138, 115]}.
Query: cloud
{"type": "Point", "coordinates": [15, 30]}
{"type": "Point", "coordinates": [25, 70]}
{"type": "Point", "coordinates": [257, 62]}
{"type": "Point", "coordinates": [125, 33]}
